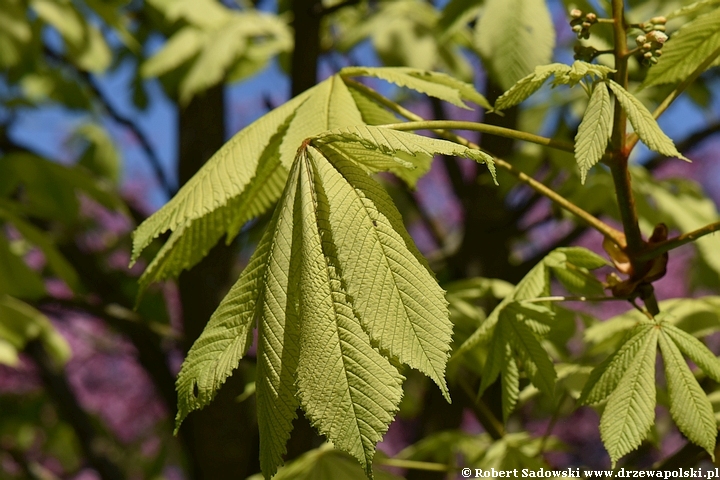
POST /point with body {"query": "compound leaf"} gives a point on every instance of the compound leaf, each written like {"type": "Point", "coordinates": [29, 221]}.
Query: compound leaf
{"type": "Point", "coordinates": [605, 378]}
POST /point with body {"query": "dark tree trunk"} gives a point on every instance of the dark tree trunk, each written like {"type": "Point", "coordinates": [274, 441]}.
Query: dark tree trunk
{"type": "Point", "coordinates": [222, 436]}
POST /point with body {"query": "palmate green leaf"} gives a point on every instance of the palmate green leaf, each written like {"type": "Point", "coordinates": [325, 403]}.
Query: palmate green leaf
{"type": "Point", "coordinates": [690, 9]}
{"type": "Point", "coordinates": [643, 123]}
{"type": "Point", "coordinates": [689, 405]}
{"type": "Point", "coordinates": [336, 288]}
{"type": "Point", "coordinates": [630, 411]}
{"type": "Point", "coordinates": [514, 37]}
{"type": "Point", "coordinates": [686, 50]}
{"type": "Point", "coordinates": [595, 129]}
{"type": "Point", "coordinates": [349, 391]}
{"type": "Point", "coordinates": [434, 84]}
{"type": "Point", "coordinates": [605, 378]}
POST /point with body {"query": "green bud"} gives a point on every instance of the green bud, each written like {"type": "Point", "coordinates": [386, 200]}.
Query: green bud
{"type": "Point", "coordinates": [653, 60]}
{"type": "Point", "coordinates": [658, 20]}
{"type": "Point", "coordinates": [577, 29]}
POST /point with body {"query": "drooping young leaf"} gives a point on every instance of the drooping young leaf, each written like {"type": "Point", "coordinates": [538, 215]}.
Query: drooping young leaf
{"type": "Point", "coordinates": [435, 84]}
{"type": "Point", "coordinates": [643, 123]}
{"type": "Point", "coordinates": [514, 37]}
{"type": "Point", "coordinates": [630, 411]}
{"type": "Point", "coordinates": [686, 50]}
{"type": "Point", "coordinates": [595, 129]}
{"type": "Point", "coordinates": [689, 405]}
{"type": "Point", "coordinates": [605, 378]}
{"type": "Point", "coordinates": [528, 85]}
{"type": "Point", "coordinates": [338, 367]}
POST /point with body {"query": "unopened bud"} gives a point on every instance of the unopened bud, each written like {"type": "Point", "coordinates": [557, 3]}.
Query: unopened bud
{"type": "Point", "coordinates": [660, 37]}
{"type": "Point", "coordinates": [658, 20]}
{"type": "Point", "coordinates": [591, 17]}
{"type": "Point", "coordinates": [659, 28]}
{"type": "Point", "coordinates": [640, 39]}
{"type": "Point", "coordinates": [654, 60]}
{"type": "Point", "coordinates": [586, 24]}
{"type": "Point", "coordinates": [577, 29]}
{"type": "Point", "coordinates": [647, 46]}
{"type": "Point", "coordinates": [648, 55]}
{"type": "Point", "coordinates": [575, 13]}
{"type": "Point", "coordinates": [658, 53]}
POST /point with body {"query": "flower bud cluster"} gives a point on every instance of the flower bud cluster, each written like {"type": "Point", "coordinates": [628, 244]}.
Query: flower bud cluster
{"type": "Point", "coordinates": [654, 24]}
{"type": "Point", "coordinates": [581, 23]}
{"type": "Point", "coordinates": [650, 45]}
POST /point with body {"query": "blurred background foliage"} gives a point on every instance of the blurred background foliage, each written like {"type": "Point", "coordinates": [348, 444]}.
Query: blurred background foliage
{"type": "Point", "coordinates": [107, 107]}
